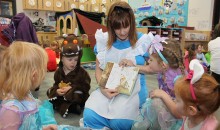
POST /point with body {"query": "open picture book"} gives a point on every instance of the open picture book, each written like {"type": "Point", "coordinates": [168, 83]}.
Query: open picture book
{"type": "Point", "coordinates": [121, 78]}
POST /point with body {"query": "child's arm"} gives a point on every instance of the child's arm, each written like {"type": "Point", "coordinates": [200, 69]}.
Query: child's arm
{"type": "Point", "coordinates": [142, 68]}
{"type": "Point", "coordinates": [10, 118]}
{"type": "Point", "coordinates": [52, 92]}
{"type": "Point", "coordinates": [81, 86]}
{"type": "Point", "coordinates": [158, 93]}
{"type": "Point", "coordinates": [204, 59]}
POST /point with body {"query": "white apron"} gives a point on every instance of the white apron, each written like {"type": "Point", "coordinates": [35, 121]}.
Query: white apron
{"type": "Point", "coordinates": [122, 106]}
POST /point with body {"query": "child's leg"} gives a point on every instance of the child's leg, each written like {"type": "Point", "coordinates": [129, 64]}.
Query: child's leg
{"type": "Point", "coordinates": [93, 120]}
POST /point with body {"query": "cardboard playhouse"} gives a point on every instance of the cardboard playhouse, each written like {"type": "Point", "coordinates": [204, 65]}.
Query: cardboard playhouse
{"type": "Point", "coordinates": [81, 22]}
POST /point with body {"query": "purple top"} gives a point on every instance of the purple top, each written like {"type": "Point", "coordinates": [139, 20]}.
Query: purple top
{"type": "Point", "coordinates": [21, 28]}
{"type": "Point", "coordinates": [166, 80]}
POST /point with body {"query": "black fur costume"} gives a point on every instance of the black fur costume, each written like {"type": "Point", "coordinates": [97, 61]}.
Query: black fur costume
{"type": "Point", "coordinates": [74, 100]}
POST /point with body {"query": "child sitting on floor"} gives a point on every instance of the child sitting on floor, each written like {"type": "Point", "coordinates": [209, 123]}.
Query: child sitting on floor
{"type": "Point", "coordinates": [197, 98]}
{"type": "Point", "coordinates": [166, 60]}
{"type": "Point", "coordinates": [52, 64]}
{"type": "Point", "coordinates": [189, 54]}
{"type": "Point", "coordinates": [201, 57]}
{"type": "Point", "coordinates": [72, 82]}
{"type": "Point", "coordinates": [22, 68]}
{"type": "Point", "coordinates": [55, 46]}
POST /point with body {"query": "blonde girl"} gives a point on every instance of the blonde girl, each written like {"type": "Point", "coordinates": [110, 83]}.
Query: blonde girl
{"type": "Point", "coordinates": [22, 68]}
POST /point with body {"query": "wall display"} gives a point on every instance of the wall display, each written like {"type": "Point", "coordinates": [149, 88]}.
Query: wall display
{"type": "Point", "coordinates": [170, 11]}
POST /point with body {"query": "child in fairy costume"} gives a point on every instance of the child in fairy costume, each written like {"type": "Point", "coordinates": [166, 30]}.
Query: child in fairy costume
{"type": "Point", "coordinates": [197, 98]}
{"type": "Point", "coordinates": [22, 68]}
{"type": "Point", "coordinates": [166, 60]}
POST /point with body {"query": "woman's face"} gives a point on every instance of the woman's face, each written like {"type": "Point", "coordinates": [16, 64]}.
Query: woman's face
{"type": "Point", "coordinates": [122, 33]}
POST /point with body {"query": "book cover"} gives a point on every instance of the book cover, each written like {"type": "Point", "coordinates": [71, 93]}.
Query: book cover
{"type": "Point", "coordinates": [121, 78]}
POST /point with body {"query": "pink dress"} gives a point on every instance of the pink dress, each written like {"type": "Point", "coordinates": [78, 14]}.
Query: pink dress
{"type": "Point", "coordinates": [210, 123]}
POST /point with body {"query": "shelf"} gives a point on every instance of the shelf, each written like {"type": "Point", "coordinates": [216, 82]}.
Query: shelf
{"type": "Point", "coordinates": [196, 41]}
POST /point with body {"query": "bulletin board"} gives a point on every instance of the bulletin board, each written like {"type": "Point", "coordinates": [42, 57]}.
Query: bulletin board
{"type": "Point", "coordinates": [170, 11]}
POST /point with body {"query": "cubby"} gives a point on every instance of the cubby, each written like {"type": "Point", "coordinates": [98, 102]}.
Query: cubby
{"type": "Point", "coordinates": [44, 36]}
{"type": "Point", "coordinates": [185, 36]}
{"type": "Point", "coordinates": [197, 37]}
{"type": "Point", "coordinates": [174, 33]}
{"type": "Point", "coordinates": [30, 4]}
{"type": "Point", "coordinates": [70, 4]}
{"type": "Point", "coordinates": [58, 5]}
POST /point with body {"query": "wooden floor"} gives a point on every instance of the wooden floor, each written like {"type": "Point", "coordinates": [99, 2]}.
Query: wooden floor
{"type": "Point", "coordinates": [73, 119]}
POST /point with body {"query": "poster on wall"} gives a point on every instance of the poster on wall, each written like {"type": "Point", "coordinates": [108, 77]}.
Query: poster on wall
{"type": "Point", "coordinates": [170, 11]}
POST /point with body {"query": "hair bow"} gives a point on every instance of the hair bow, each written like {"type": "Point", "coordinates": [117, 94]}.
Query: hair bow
{"type": "Point", "coordinates": [195, 73]}
{"type": "Point", "coordinates": [156, 46]}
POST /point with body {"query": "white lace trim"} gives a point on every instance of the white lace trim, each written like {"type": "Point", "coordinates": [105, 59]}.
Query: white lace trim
{"type": "Point", "coordinates": [142, 46]}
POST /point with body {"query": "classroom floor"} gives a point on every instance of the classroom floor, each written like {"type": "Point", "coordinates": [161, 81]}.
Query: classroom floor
{"type": "Point", "coordinates": [73, 119]}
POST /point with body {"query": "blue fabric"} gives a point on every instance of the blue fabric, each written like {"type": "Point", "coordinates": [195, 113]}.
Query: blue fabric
{"type": "Point", "coordinates": [95, 49]}
{"type": "Point", "coordinates": [154, 116]}
{"type": "Point", "coordinates": [46, 113]}
{"type": "Point", "coordinates": [68, 127]}
{"type": "Point", "coordinates": [95, 121]}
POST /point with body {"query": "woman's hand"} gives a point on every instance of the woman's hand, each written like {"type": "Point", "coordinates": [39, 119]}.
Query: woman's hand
{"type": "Point", "coordinates": [109, 93]}
{"type": "Point", "coordinates": [126, 62]}
{"type": "Point", "coordinates": [157, 93]}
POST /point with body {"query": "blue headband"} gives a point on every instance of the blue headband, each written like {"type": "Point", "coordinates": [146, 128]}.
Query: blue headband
{"type": "Point", "coordinates": [156, 46]}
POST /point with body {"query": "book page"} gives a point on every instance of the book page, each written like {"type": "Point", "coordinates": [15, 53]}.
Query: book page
{"type": "Point", "coordinates": [114, 77]}
{"type": "Point", "coordinates": [122, 78]}
{"type": "Point", "coordinates": [130, 74]}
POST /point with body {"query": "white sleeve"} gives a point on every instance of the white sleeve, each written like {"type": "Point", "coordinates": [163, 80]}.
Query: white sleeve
{"type": "Point", "coordinates": [101, 40]}
{"type": "Point", "coordinates": [143, 44]}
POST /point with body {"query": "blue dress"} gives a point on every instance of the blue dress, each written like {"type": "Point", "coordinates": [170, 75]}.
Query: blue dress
{"type": "Point", "coordinates": [30, 114]}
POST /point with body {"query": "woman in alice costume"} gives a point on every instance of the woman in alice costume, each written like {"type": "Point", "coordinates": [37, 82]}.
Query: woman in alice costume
{"type": "Point", "coordinates": [106, 108]}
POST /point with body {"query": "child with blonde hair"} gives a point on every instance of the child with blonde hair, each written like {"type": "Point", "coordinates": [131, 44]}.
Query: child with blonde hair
{"type": "Point", "coordinates": [197, 98]}
{"type": "Point", "coordinates": [22, 68]}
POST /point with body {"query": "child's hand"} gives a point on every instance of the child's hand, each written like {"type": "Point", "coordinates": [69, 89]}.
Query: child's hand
{"type": "Point", "coordinates": [65, 89]}
{"type": "Point", "coordinates": [50, 127]}
{"type": "Point", "coordinates": [126, 62]}
{"type": "Point", "coordinates": [109, 93]}
{"type": "Point", "coordinates": [157, 93]}
{"type": "Point", "coordinates": [60, 92]}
